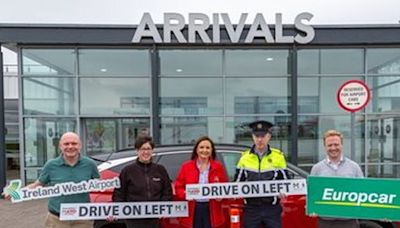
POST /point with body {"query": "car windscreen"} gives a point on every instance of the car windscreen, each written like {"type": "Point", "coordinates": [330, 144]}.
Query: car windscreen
{"type": "Point", "coordinates": [229, 159]}
{"type": "Point", "coordinates": [172, 162]}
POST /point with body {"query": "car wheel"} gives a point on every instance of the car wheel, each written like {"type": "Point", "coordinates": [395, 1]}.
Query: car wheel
{"type": "Point", "coordinates": [369, 224]}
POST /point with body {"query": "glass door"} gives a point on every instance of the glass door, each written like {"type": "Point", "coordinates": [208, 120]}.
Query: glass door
{"type": "Point", "coordinates": [105, 135]}
{"type": "Point", "coordinates": [383, 156]}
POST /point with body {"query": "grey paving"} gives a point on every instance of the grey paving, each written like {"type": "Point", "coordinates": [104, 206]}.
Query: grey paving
{"type": "Point", "coordinates": [30, 214]}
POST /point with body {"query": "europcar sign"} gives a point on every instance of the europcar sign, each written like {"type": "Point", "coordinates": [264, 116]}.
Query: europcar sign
{"type": "Point", "coordinates": [199, 24]}
{"type": "Point", "coordinates": [367, 198]}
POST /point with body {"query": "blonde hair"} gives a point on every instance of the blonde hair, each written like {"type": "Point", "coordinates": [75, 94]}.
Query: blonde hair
{"type": "Point", "coordinates": [330, 133]}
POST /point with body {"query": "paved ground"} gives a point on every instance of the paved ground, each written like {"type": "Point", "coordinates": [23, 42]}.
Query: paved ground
{"type": "Point", "coordinates": [25, 214]}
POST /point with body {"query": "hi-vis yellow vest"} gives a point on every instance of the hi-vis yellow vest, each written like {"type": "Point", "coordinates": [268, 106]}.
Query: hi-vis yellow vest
{"type": "Point", "coordinates": [271, 166]}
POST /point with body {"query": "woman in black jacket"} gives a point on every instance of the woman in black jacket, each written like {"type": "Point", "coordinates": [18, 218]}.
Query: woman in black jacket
{"type": "Point", "coordinates": [143, 180]}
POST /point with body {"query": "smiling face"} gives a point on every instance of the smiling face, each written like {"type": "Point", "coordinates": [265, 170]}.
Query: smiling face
{"type": "Point", "coordinates": [333, 147]}
{"type": "Point", "coordinates": [70, 146]}
{"type": "Point", "coordinates": [204, 150]}
{"type": "Point", "coordinates": [145, 152]}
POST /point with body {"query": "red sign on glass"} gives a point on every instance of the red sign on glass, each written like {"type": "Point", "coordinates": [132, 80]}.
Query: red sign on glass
{"type": "Point", "coordinates": [353, 95]}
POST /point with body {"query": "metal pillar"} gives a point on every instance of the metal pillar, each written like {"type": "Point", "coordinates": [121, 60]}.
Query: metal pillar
{"type": "Point", "coordinates": [155, 98]}
{"type": "Point", "coordinates": [2, 129]}
{"type": "Point", "coordinates": [352, 136]}
{"type": "Point", "coordinates": [294, 109]}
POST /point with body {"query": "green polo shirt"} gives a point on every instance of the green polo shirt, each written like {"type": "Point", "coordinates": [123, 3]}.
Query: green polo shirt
{"type": "Point", "coordinates": [56, 171]}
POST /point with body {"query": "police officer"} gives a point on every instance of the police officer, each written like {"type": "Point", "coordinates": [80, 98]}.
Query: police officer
{"type": "Point", "coordinates": [261, 162]}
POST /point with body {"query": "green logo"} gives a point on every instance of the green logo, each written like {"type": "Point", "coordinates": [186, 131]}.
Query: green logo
{"type": "Point", "coordinates": [13, 189]}
{"type": "Point", "coordinates": [367, 198]}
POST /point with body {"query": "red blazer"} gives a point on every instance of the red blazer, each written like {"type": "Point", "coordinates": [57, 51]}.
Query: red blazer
{"type": "Point", "coordinates": [189, 174]}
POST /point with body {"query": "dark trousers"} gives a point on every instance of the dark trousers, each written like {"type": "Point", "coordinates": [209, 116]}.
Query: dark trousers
{"type": "Point", "coordinates": [202, 215]}
{"type": "Point", "coordinates": [348, 223]}
{"type": "Point", "coordinates": [142, 223]}
{"type": "Point", "coordinates": [267, 215]}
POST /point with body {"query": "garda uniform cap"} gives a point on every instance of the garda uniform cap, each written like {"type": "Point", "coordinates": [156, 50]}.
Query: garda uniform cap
{"type": "Point", "coordinates": [260, 127]}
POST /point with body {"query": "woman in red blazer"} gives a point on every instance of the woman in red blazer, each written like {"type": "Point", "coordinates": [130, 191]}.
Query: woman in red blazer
{"type": "Point", "coordinates": [201, 169]}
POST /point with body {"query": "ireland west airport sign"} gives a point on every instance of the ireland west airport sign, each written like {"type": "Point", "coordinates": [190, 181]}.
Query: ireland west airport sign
{"type": "Point", "coordinates": [19, 194]}
{"type": "Point", "coordinates": [202, 28]}
{"type": "Point", "coordinates": [367, 198]}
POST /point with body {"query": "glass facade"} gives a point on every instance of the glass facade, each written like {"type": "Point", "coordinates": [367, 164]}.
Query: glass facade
{"type": "Point", "coordinates": [12, 138]}
{"type": "Point", "coordinates": [108, 95]}
{"type": "Point", "coordinates": [320, 73]}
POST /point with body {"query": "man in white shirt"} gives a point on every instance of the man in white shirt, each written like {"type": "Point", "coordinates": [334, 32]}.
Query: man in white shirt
{"type": "Point", "coordinates": [336, 164]}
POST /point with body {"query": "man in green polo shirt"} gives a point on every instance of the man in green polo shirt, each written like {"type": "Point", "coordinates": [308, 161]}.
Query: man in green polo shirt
{"type": "Point", "coordinates": [70, 166]}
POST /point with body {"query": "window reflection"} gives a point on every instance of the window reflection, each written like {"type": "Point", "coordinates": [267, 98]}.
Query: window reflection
{"type": "Point", "coordinates": [32, 174]}
{"type": "Point", "coordinates": [110, 62]}
{"type": "Point", "coordinates": [384, 171]}
{"type": "Point", "coordinates": [385, 93]}
{"type": "Point", "coordinates": [308, 61]}
{"type": "Point", "coordinates": [342, 61]}
{"type": "Point", "coordinates": [257, 63]}
{"type": "Point", "coordinates": [330, 61]}
{"type": "Point", "coordinates": [48, 61]}
{"type": "Point", "coordinates": [383, 61]}
{"type": "Point", "coordinates": [318, 94]}
{"type": "Point", "coordinates": [310, 137]}
{"type": "Point", "coordinates": [106, 135]}
{"type": "Point", "coordinates": [191, 63]}
{"type": "Point", "coordinates": [49, 96]}
{"type": "Point", "coordinates": [42, 136]}
{"type": "Point", "coordinates": [383, 137]}
{"type": "Point", "coordinates": [260, 95]}
{"type": "Point", "coordinates": [190, 96]}
{"type": "Point", "coordinates": [116, 96]}
{"type": "Point", "coordinates": [179, 130]}
{"type": "Point", "coordinates": [183, 105]}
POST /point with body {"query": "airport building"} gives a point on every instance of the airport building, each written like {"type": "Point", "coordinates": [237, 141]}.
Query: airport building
{"type": "Point", "coordinates": [197, 75]}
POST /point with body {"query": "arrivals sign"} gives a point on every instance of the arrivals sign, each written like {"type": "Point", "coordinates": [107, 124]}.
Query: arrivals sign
{"type": "Point", "coordinates": [363, 198]}
{"type": "Point", "coordinates": [202, 28]}
{"type": "Point", "coordinates": [19, 194]}
{"type": "Point", "coordinates": [131, 210]}
{"type": "Point", "coordinates": [353, 95]}
{"type": "Point", "coordinates": [246, 189]}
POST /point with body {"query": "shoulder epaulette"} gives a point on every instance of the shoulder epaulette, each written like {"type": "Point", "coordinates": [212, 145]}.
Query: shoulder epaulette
{"type": "Point", "coordinates": [245, 152]}
{"type": "Point", "coordinates": [274, 150]}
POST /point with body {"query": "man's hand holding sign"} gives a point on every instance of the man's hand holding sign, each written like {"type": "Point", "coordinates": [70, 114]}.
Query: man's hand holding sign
{"type": "Point", "coordinates": [123, 210]}
{"type": "Point", "coordinates": [64, 179]}
{"type": "Point", "coordinates": [363, 198]}
{"type": "Point", "coordinates": [36, 191]}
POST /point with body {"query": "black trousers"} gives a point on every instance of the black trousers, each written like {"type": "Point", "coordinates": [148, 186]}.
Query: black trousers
{"type": "Point", "coordinates": [142, 223]}
{"type": "Point", "coordinates": [202, 215]}
{"type": "Point", "coordinates": [267, 215]}
{"type": "Point", "coordinates": [348, 223]}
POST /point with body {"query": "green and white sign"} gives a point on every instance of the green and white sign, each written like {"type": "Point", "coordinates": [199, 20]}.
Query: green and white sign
{"type": "Point", "coordinates": [19, 194]}
{"type": "Point", "coordinates": [364, 198]}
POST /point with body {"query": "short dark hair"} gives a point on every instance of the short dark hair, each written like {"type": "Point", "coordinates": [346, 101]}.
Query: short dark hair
{"type": "Point", "coordinates": [143, 140]}
{"type": "Point", "coordinates": [196, 145]}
